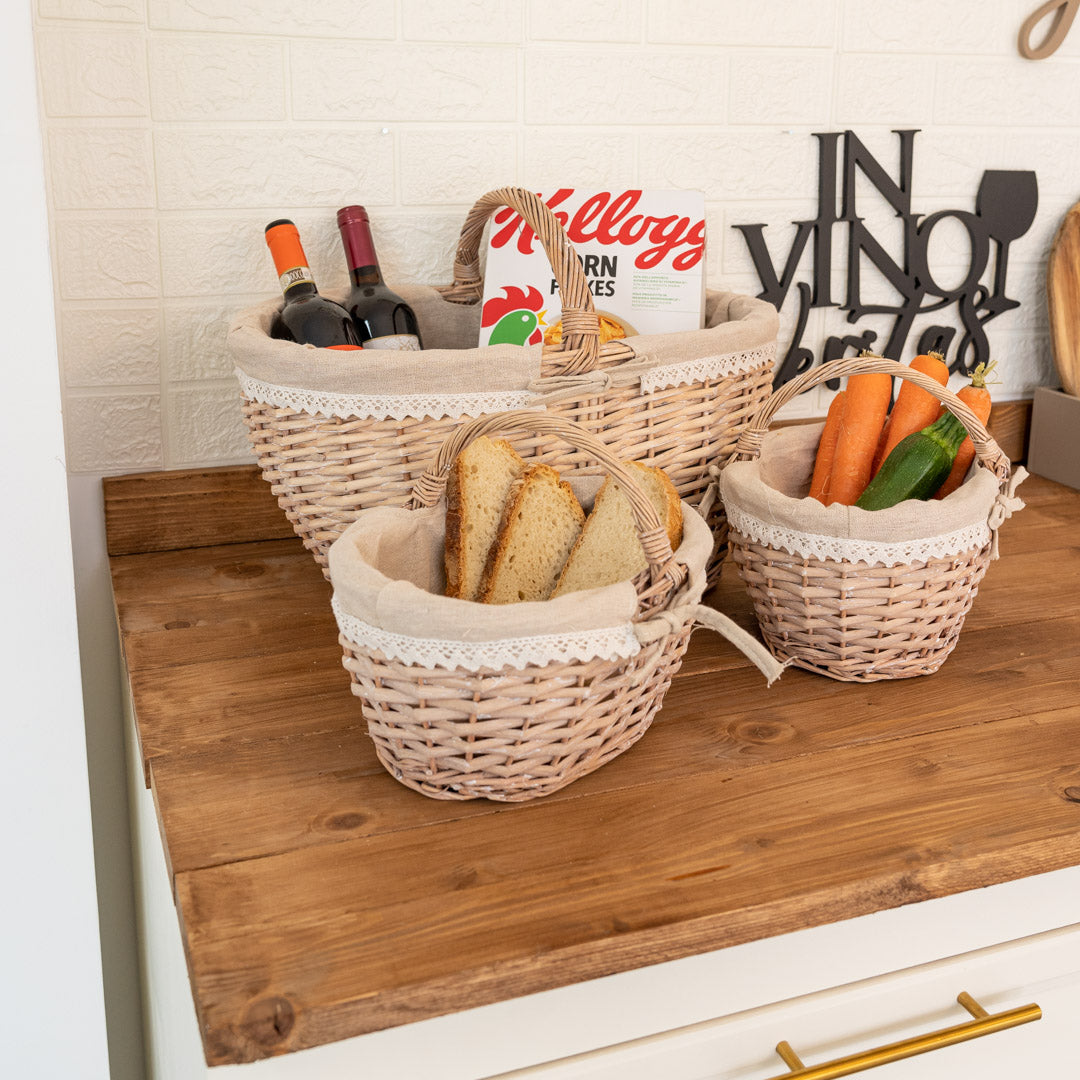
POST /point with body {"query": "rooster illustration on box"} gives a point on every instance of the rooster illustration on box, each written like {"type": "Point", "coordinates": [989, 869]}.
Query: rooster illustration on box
{"type": "Point", "coordinates": [515, 318]}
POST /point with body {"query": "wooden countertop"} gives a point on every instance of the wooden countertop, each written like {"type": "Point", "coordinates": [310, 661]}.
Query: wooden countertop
{"type": "Point", "coordinates": [320, 899]}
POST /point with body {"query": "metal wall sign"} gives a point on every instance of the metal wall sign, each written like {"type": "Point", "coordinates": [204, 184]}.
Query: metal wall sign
{"type": "Point", "coordinates": [1005, 207]}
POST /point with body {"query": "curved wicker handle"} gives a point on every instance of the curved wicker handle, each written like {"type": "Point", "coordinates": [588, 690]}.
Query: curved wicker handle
{"type": "Point", "coordinates": [580, 346]}
{"type": "Point", "coordinates": [986, 449]}
{"type": "Point", "coordinates": [429, 488]}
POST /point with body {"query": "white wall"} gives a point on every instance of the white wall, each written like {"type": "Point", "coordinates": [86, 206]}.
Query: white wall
{"type": "Point", "coordinates": [175, 129]}
{"type": "Point", "coordinates": [51, 994]}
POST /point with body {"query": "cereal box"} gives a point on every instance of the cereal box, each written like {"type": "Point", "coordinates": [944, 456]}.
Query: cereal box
{"type": "Point", "coordinates": [643, 253]}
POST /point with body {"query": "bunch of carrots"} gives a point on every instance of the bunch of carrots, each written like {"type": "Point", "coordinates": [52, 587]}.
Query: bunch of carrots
{"type": "Point", "coordinates": [860, 430]}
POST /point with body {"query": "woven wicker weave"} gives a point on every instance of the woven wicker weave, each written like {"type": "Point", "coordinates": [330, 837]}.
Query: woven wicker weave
{"type": "Point", "coordinates": [521, 733]}
{"type": "Point", "coordinates": [849, 620]}
{"type": "Point", "coordinates": [324, 470]}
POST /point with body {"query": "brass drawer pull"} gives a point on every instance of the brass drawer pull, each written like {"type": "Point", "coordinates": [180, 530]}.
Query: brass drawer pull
{"type": "Point", "coordinates": [983, 1024]}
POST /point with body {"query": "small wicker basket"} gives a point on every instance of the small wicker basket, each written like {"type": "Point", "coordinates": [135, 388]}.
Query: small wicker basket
{"type": "Point", "coordinates": [678, 401]}
{"type": "Point", "coordinates": [883, 610]}
{"type": "Point", "coordinates": [467, 728]}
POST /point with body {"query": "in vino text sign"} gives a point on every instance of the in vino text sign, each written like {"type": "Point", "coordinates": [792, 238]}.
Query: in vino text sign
{"type": "Point", "coordinates": [1004, 210]}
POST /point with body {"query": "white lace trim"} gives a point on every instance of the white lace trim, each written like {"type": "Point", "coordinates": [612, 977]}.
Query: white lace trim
{"type": "Point", "coordinates": [382, 407]}
{"type": "Point", "coordinates": [707, 367]}
{"type": "Point", "coordinates": [610, 643]}
{"type": "Point", "coordinates": [872, 552]}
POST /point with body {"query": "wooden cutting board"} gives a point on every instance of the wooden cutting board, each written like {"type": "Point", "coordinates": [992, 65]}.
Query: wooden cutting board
{"type": "Point", "coordinates": [1063, 300]}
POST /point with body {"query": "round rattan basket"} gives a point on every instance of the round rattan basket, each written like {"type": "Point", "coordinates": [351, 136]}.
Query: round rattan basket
{"type": "Point", "coordinates": [884, 610]}
{"type": "Point", "coordinates": [464, 729]}
{"type": "Point", "coordinates": [677, 401]}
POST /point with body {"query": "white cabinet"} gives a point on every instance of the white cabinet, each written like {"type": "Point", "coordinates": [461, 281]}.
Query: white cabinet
{"type": "Point", "coordinates": [821, 1027]}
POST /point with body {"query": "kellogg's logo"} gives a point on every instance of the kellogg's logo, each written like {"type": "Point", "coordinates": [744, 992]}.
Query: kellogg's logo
{"type": "Point", "coordinates": [609, 219]}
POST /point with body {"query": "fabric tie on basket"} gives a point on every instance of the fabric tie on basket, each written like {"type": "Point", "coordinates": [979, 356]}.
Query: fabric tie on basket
{"type": "Point", "coordinates": [676, 617]}
{"type": "Point", "coordinates": [1005, 505]}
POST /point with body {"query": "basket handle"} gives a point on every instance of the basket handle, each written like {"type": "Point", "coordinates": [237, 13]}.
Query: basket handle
{"type": "Point", "coordinates": [430, 486]}
{"type": "Point", "coordinates": [987, 450]}
{"type": "Point", "coordinates": [579, 349]}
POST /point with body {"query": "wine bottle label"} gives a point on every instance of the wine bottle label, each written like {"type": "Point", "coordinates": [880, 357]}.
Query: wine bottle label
{"type": "Point", "coordinates": [402, 342]}
{"type": "Point", "coordinates": [295, 275]}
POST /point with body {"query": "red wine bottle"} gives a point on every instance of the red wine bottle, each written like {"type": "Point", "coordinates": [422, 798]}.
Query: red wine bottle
{"type": "Point", "coordinates": [382, 319]}
{"type": "Point", "coordinates": [306, 316]}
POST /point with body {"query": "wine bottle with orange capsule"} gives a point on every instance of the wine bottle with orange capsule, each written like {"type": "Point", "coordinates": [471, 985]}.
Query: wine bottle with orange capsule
{"type": "Point", "coordinates": [306, 316]}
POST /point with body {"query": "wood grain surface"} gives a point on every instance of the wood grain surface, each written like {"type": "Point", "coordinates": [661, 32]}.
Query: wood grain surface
{"type": "Point", "coordinates": [319, 898]}
{"type": "Point", "coordinates": [1063, 300]}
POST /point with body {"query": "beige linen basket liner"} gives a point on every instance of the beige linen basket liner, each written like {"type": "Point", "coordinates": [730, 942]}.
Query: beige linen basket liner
{"type": "Point", "coordinates": [326, 442]}
{"type": "Point", "coordinates": [466, 728]}
{"type": "Point", "coordinates": [851, 593]}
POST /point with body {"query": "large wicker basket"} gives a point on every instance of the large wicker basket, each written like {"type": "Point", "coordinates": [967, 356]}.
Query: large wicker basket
{"type": "Point", "coordinates": [336, 436]}
{"type": "Point", "coordinates": [590, 669]}
{"type": "Point", "coordinates": [862, 595]}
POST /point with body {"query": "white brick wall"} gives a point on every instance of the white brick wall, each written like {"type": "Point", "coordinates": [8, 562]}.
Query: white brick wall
{"type": "Point", "coordinates": [174, 129]}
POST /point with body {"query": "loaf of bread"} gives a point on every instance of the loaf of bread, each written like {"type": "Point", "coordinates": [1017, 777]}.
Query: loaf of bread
{"type": "Point", "coordinates": [541, 521]}
{"type": "Point", "coordinates": [477, 490]}
{"type": "Point", "coordinates": [608, 549]}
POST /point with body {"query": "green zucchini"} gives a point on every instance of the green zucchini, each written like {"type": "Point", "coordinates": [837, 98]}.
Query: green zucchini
{"type": "Point", "coordinates": [917, 466]}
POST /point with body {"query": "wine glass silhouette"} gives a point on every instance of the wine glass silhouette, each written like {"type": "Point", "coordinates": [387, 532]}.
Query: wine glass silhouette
{"type": "Point", "coordinates": [1006, 204]}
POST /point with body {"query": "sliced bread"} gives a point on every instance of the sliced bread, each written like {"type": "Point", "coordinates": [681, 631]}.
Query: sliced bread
{"type": "Point", "coordinates": [479, 483]}
{"type": "Point", "coordinates": [608, 549]}
{"type": "Point", "coordinates": [540, 524]}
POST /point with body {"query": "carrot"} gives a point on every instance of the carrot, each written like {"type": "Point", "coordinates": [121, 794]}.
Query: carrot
{"type": "Point", "coordinates": [976, 396]}
{"type": "Point", "coordinates": [915, 408]}
{"type": "Point", "coordinates": [819, 483]}
{"type": "Point", "coordinates": [866, 401]}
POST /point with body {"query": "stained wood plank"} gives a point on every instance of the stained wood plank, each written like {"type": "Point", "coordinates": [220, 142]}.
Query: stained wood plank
{"type": "Point", "coordinates": [534, 899]}
{"type": "Point", "coordinates": [185, 508]}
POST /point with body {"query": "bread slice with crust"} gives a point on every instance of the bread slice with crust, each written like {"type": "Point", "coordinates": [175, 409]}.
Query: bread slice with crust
{"type": "Point", "coordinates": [609, 549]}
{"type": "Point", "coordinates": [540, 524]}
{"type": "Point", "coordinates": [476, 492]}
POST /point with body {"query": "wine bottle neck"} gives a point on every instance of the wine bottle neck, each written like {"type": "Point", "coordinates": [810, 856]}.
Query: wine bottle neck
{"type": "Point", "coordinates": [291, 263]}
{"type": "Point", "coordinates": [359, 246]}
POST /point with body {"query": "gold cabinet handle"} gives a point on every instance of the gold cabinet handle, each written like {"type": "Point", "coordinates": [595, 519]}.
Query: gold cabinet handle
{"type": "Point", "coordinates": [983, 1024]}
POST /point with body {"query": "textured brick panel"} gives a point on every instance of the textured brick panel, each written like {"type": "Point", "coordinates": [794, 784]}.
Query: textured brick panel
{"type": "Point", "coordinates": [96, 168]}
{"type": "Point", "coordinates": [554, 158]}
{"type": "Point", "coordinates": [767, 89]}
{"type": "Point", "coordinates": [93, 73]}
{"type": "Point", "coordinates": [326, 18]}
{"type": "Point", "coordinates": [102, 10]}
{"type": "Point", "coordinates": [107, 259]}
{"type": "Point", "coordinates": [894, 91]}
{"type": "Point", "coordinates": [110, 346]}
{"type": "Point", "coordinates": [275, 169]}
{"type": "Point", "coordinates": [455, 166]}
{"type": "Point", "coordinates": [797, 23]}
{"type": "Point", "coordinates": [466, 20]}
{"type": "Point", "coordinates": [631, 86]}
{"type": "Point", "coordinates": [569, 20]}
{"type": "Point", "coordinates": [196, 77]}
{"type": "Point", "coordinates": [195, 337]}
{"type": "Point", "coordinates": [383, 83]}
{"type": "Point", "coordinates": [110, 433]}
{"type": "Point", "coordinates": [205, 424]}
{"type": "Point", "coordinates": [916, 26]}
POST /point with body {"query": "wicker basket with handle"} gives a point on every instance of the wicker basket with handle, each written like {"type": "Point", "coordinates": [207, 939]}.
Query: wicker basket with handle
{"type": "Point", "coordinates": [337, 433]}
{"type": "Point", "coordinates": [513, 701]}
{"type": "Point", "coordinates": [854, 594]}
